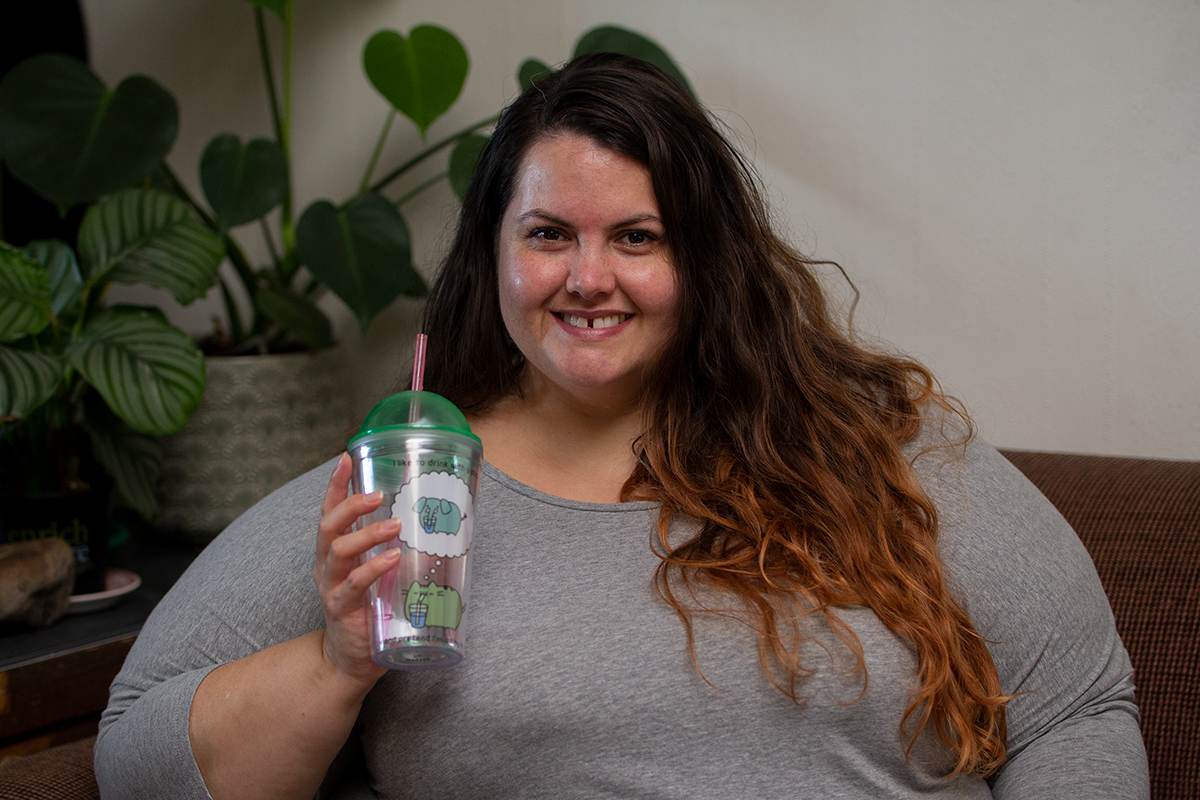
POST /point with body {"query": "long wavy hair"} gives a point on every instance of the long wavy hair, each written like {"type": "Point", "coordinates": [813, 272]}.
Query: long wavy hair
{"type": "Point", "coordinates": [765, 422]}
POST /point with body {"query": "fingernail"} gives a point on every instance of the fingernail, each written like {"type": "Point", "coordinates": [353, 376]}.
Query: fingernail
{"type": "Point", "coordinates": [392, 554]}
{"type": "Point", "coordinates": [375, 495]}
{"type": "Point", "coordinates": [391, 525]}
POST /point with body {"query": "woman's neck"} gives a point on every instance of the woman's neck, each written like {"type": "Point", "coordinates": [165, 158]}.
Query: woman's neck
{"type": "Point", "coordinates": [560, 446]}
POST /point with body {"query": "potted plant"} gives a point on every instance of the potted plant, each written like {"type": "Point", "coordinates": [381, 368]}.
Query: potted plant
{"type": "Point", "coordinates": [70, 138]}
{"type": "Point", "coordinates": [85, 388]}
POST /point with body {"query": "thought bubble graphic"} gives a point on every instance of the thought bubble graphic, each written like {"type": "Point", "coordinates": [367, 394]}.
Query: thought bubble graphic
{"type": "Point", "coordinates": [430, 508]}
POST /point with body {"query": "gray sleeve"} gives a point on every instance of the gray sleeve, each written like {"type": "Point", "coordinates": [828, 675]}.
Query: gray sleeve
{"type": "Point", "coordinates": [251, 588]}
{"type": "Point", "coordinates": [1033, 593]}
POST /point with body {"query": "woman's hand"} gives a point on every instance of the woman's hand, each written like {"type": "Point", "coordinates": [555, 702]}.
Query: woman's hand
{"type": "Point", "coordinates": [342, 581]}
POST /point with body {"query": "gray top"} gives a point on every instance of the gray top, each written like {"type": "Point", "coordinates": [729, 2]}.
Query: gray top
{"type": "Point", "coordinates": [577, 682]}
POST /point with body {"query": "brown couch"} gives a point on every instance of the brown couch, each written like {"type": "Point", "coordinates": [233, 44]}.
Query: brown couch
{"type": "Point", "coordinates": [1139, 518]}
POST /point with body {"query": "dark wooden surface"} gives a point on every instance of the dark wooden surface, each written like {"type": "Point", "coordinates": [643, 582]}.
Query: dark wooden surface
{"type": "Point", "coordinates": [54, 681]}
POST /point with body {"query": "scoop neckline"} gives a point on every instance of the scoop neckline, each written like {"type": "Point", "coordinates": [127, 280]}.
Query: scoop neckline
{"type": "Point", "coordinates": [504, 479]}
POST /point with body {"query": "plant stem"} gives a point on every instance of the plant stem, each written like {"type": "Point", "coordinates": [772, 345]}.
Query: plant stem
{"type": "Point", "coordinates": [286, 229]}
{"type": "Point", "coordinates": [281, 119]}
{"type": "Point", "coordinates": [266, 231]}
{"type": "Point", "coordinates": [233, 250]}
{"type": "Point", "coordinates": [419, 157]}
{"type": "Point", "coordinates": [411, 194]}
{"type": "Point", "coordinates": [264, 52]}
{"type": "Point", "coordinates": [236, 331]}
{"type": "Point", "coordinates": [387, 126]}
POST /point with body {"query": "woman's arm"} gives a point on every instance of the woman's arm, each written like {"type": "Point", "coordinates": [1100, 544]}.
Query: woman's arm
{"type": "Point", "coordinates": [269, 725]}
{"type": "Point", "coordinates": [245, 662]}
{"type": "Point", "coordinates": [1034, 595]}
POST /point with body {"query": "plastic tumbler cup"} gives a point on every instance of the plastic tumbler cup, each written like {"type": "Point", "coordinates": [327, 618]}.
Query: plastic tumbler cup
{"type": "Point", "coordinates": [417, 448]}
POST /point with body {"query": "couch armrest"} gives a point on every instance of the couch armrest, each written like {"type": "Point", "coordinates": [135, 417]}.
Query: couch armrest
{"type": "Point", "coordinates": [64, 772]}
{"type": "Point", "coordinates": [1140, 520]}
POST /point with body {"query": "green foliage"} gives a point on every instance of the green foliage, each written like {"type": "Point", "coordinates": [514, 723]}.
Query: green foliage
{"type": "Point", "coordinates": [69, 138]}
{"type": "Point", "coordinates": [242, 182]}
{"type": "Point", "coordinates": [421, 76]}
{"type": "Point", "coordinates": [355, 249]}
{"type": "Point", "coordinates": [125, 375]}
{"type": "Point", "coordinates": [612, 39]}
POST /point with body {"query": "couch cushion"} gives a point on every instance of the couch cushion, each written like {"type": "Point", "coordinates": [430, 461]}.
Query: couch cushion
{"type": "Point", "coordinates": [61, 773]}
{"type": "Point", "coordinates": [1140, 520]}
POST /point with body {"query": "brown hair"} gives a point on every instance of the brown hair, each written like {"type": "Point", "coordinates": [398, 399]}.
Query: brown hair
{"type": "Point", "coordinates": [765, 422]}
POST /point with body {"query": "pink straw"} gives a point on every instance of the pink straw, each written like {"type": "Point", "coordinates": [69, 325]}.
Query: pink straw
{"type": "Point", "coordinates": [418, 379]}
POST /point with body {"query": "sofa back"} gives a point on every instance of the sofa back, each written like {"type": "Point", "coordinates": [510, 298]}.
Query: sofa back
{"type": "Point", "coordinates": [1140, 520]}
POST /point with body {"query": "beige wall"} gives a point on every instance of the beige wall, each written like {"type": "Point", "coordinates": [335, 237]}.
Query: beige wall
{"type": "Point", "coordinates": [1015, 187]}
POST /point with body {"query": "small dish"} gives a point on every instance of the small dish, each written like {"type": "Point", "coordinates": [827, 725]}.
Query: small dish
{"type": "Point", "coordinates": [117, 584]}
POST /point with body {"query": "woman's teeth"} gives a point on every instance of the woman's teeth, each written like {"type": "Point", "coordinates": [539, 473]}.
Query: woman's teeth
{"type": "Point", "coordinates": [598, 322]}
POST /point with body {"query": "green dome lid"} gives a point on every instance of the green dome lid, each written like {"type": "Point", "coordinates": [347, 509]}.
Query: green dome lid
{"type": "Point", "coordinates": [414, 410]}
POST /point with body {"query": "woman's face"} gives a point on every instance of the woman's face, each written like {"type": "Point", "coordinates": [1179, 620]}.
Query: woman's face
{"type": "Point", "coordinates": [587, 288]}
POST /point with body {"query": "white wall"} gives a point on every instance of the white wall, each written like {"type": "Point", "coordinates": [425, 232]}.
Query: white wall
{"type": "Point", "coordinates": [1015, 187]}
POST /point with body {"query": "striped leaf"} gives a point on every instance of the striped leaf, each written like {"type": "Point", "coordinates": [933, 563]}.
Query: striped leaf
{"type": "Point", "coordinates": [62, 268]}
{"type": "Point", "coordinates": [24, 295]}
{"type": "Point", "coordinates": [150, 373]}
{"type": "Point", "coordinates": [147, 236]}
{"type": "Point", "coordinates": [26, 380]}
{"type": "Point", "coordinates": [134, 460]}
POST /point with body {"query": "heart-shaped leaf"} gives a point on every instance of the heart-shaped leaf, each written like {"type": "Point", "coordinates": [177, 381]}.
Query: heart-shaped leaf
{"type": "Point", "coordinates": [531, 68]}
{"type": "Point", "coordinates": [64, 134]}
{"type": "Point", "coordinates": [242, 182]}
{"type": "Point", "coordinates": [295, 314]}
{"type": "Point", "coordinates": [133, 460]}
{"type": "Point", "coordinates": [361, 252]}
{"type": "Point", "coordinates": [24, 295]}
{"type": "Point", "coordinates": [147, 236]}
{"type": "Point", "coordinates": [463, 159]}
{"type": "Point", "coordinates": [421, 76]}
{"type": "Point", "coordinates": [62, 268]}
{"type": "Point", "coordinates": [612, 39]}
{"type": "Point", "coordinates": [27, 380]}
{"type": "Point", "coordinates": [149, 372]}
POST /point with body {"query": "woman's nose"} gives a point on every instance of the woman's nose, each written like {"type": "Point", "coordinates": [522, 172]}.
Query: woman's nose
{"type": "Point", "coordinates": [591, 273]}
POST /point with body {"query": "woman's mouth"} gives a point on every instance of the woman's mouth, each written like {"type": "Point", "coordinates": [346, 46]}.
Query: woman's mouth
{"type": "Point", "coordinates": [594, 322]}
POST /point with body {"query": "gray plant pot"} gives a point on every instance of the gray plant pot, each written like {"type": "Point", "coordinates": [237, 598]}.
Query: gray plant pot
{"type": "Point", "coordinates": [263, 421]}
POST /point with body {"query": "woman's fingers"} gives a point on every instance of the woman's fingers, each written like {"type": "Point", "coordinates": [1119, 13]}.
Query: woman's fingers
{"type": "Point", "coordinates": [336, 491]}
{"type": "Point", "coordinates": [349, 592]}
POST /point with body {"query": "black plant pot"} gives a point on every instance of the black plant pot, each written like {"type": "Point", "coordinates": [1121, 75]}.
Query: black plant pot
{"type": "Point", "coordinates": [81, 517]}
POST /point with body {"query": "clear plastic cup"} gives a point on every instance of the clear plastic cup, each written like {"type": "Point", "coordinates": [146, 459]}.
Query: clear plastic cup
{"type": "Point", "coordinates": [417, 448]}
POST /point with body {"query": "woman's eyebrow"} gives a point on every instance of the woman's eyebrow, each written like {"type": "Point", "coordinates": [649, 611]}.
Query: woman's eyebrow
{"type": "Point", "coordinates": [540, 214]}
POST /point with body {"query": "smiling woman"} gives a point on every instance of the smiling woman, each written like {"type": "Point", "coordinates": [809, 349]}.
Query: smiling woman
{"type": "Point", "coordinates": [721, 548]}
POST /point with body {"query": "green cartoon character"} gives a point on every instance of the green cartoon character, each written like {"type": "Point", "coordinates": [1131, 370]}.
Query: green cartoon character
{"type": "Point", "coordinates": [432, 606]}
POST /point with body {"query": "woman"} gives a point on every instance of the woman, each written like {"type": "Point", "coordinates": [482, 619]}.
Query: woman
{"type": "Point", "coordinates": [722, 549]}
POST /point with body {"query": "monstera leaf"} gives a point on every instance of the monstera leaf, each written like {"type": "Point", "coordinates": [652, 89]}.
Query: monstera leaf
{"type": "Point", "coordinates": [612, 39]}
{"type": "Point", "coordinates": [463, 159]}
{"type": "Point", "coordinates": [24, 295]}
{"type": "Point", "coordinates": [150, 373]}
{"type": "Point", "coordinates": [421, 76]}
{"type": "Point", "coordinates": [64, 134]}
{"type": "Point", "coordinates": [361, 251]}
{"type": "Point", "coordinates": [147, 236]}
{"type": "Point", "coordinates": [242, 182]}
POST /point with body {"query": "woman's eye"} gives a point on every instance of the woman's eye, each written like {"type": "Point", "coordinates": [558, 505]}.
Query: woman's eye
{"type": "Point", "coordinates": [549, 234]}
{"type": "Point", "coordinates": [639, 237]}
